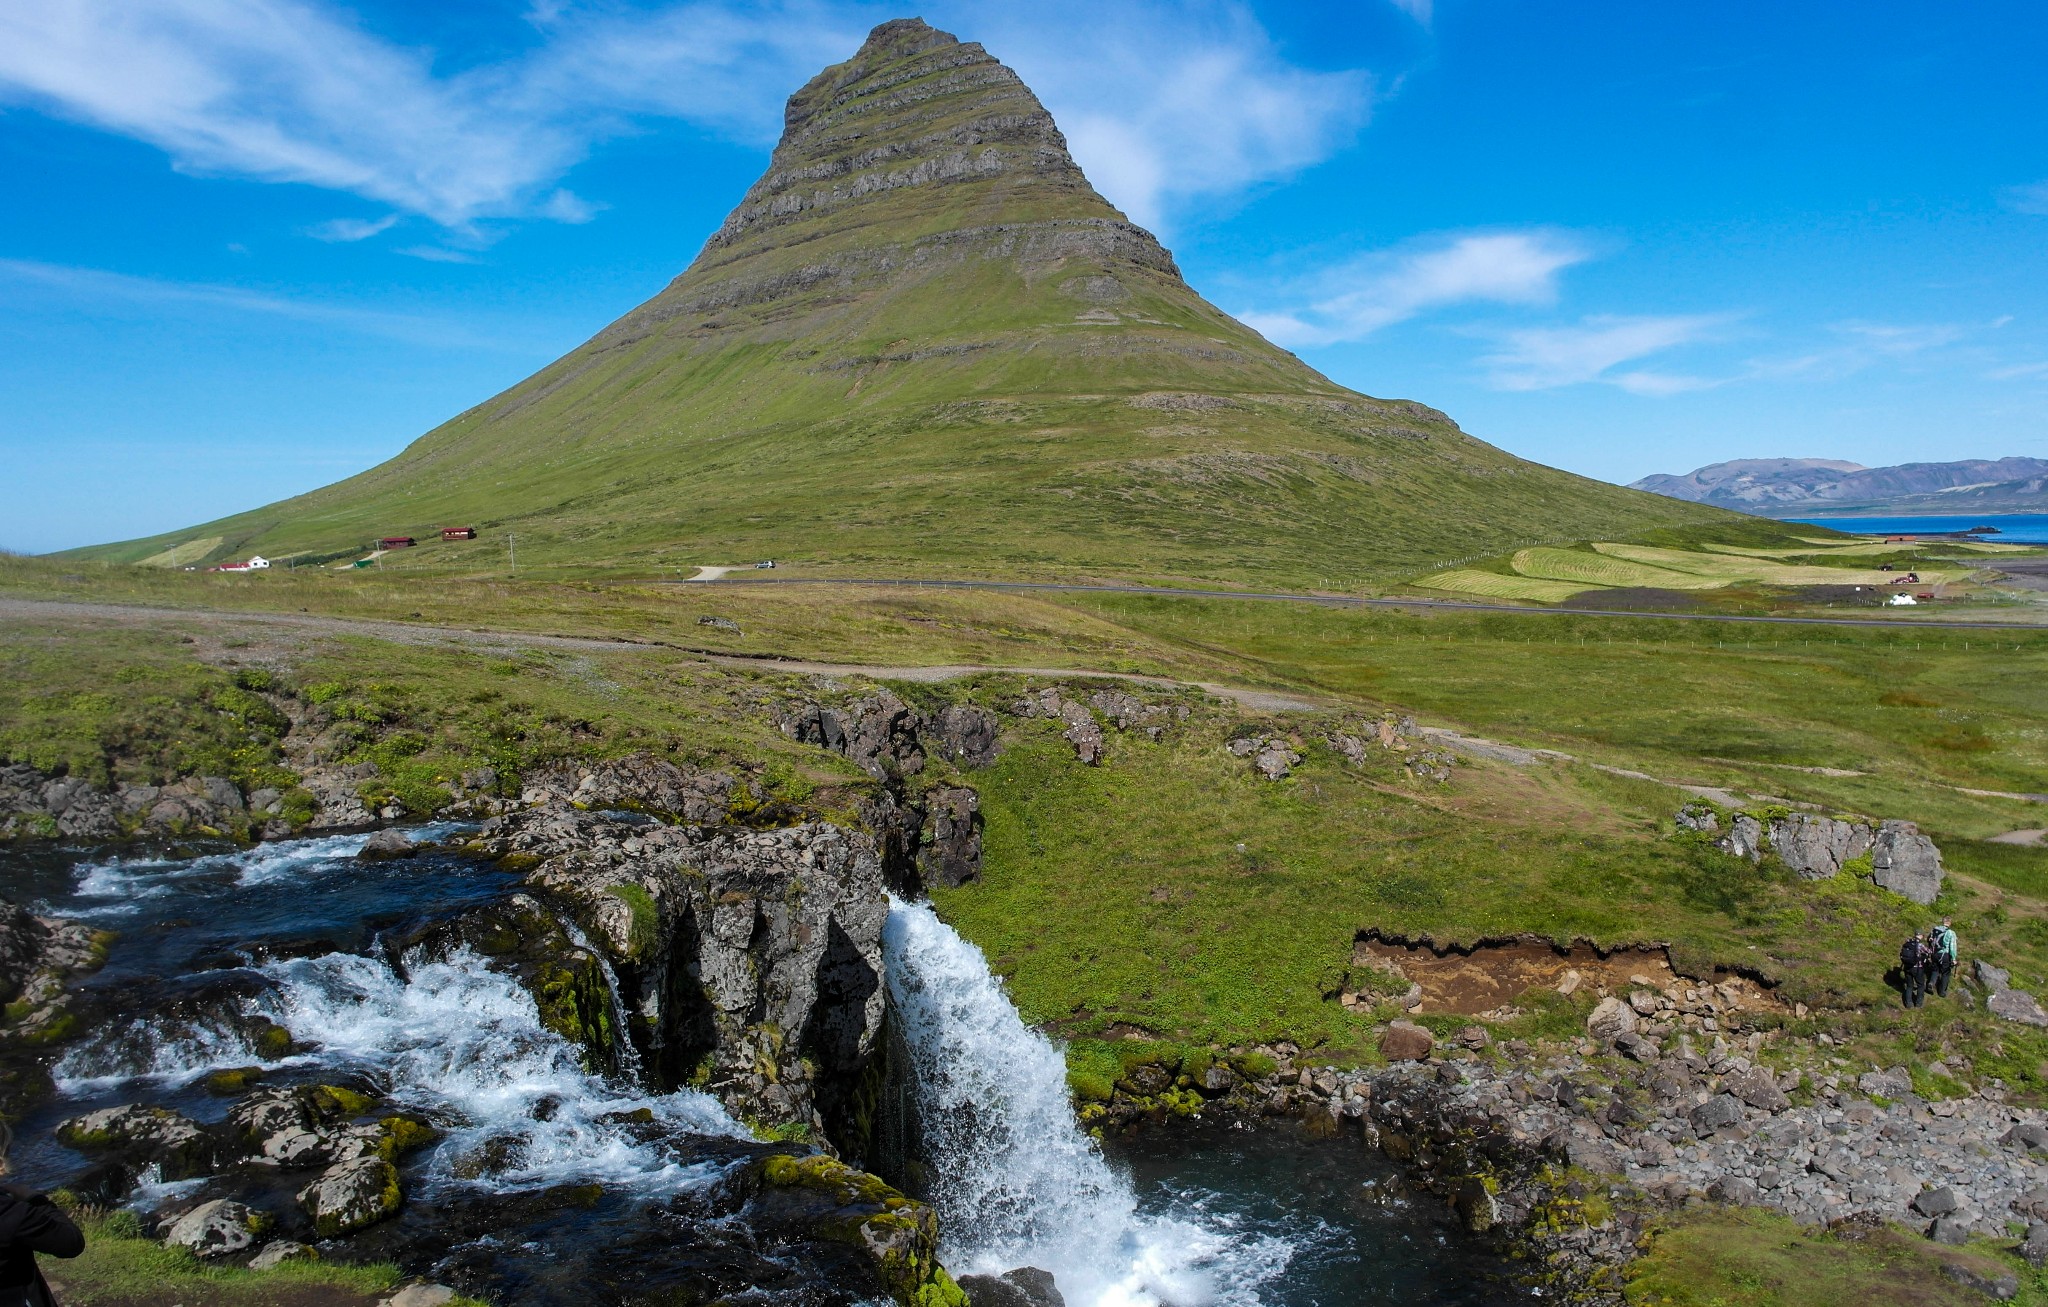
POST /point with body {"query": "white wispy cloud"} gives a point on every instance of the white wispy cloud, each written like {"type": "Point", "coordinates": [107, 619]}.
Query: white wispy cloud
{"type": "Point", "coordinates": [1165, 105]}
{"type": "Point", "coordinates": [2026, 199]}
{"type": "Point", "coordinates": [1592, 350]}
{"type": "Point", "coordinates": [351, 229]}
{"type": "Point", "coordinates": [1167, 102]}
{"type": "Point", "coordinates": [96, 285]}
{"type": "Point", "coordinates": [1359, 298]}
{"type": "Point", "coordinates": [1853, 346]}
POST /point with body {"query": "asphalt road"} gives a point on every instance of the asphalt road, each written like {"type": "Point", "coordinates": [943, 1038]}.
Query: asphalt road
{"type": "Point", "coordinates": [1346, 601]}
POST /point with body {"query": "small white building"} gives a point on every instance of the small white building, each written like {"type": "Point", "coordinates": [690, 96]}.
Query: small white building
{"type": "Point", "coordinates": [259, 561]}
{"type": "Point", "coordinates": [1903, 601]}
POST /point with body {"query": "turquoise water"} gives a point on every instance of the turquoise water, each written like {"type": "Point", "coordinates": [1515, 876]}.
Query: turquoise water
{"type": "Point", "coordinates": [2013, 528]}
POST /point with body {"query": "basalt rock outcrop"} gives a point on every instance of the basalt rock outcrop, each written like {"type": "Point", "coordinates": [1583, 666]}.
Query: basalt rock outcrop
{"type": "Point", "coordinates": [1894, 854]}
{"type": "Point", "coordinates": [749, 961]}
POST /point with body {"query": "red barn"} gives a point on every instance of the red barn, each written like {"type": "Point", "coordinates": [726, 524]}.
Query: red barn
{"type": "Point", "coordinates": [458, 533]}
{"type": "Point", "coordinates": [397, 542]}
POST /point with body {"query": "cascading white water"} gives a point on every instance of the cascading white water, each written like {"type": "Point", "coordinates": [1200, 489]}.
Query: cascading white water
{"type": "Point", "coordinates": [465, 1044]}
{"type": "Point", "coordinates": [1016, 1181]}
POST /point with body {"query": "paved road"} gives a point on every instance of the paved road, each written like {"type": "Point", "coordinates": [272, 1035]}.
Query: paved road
{"type": "Point", "coordinates": [1351, 601]}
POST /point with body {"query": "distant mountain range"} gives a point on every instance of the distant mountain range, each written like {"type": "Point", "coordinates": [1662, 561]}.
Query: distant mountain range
{"type": "Point", "coordinates": [1800, 487]}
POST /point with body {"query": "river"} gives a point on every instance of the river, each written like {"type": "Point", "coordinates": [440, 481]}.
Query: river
{"type": "Point", "coordinates": [214, 944]}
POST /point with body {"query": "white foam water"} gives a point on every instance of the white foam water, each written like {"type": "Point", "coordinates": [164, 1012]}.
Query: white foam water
{"type": "Point", "coordinates": [464, 1044]}
{"type": "Point", "coordinates": [120, 882]}
{"type": "Point", "coordinates": [151, 1048]}
{"type": "Point", "coordinates": [1018, 1182]}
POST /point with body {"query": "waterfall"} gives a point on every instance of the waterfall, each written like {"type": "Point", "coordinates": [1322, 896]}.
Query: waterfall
{"type": "Point", "coordinates": [631, 1067]}
{"type": "Point", "coordinates": [1014, 1178]}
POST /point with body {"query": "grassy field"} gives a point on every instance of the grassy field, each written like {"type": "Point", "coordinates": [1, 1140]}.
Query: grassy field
{"type": "Point", "coordinates": [1551, 574]}
{"type": "Point", "coordinates": [1752, 1258]}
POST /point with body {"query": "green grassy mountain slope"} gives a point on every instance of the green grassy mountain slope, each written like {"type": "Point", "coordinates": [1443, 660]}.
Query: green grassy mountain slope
{"type": "Point", "coordinates": [923, 344]}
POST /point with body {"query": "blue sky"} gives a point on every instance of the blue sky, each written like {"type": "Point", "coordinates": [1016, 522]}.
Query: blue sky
{"type": "Point", "coordinates": [252, 246]}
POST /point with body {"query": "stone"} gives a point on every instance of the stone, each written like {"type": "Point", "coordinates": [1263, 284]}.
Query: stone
{"type": "Point", "coordinates": [2002, 1285]}
{"type": "Point", "coordinates": [1994, 979]}
{"type": "Point", "coordinates": [1735, 1191]}
{"type": "Point", "coordinates": [386, 844]}
{"type": "Point", "coordinates": [1407, 1042]}
{"type": "Point", "coordinates": [1936, 1202]}
{"type": "Point", "coordinates": [1275, 762]}
{"type": "Point", "coordinates": [1717, 1113]}
{"type": "Point", "coordinates": [1040, 1289]}
{"type": "Point", "coordinates": [1951, 1230]}
{"type": "Point", "coordinates": [1026, 1286]}
{"type": "Point", "coordinates": [1894, 1083]}
{"type": "Point", "coordinates": [138, 1133]}
{"type": "Point", "coordinates": [421, 1295]}
{"type": "Point", "coordinates": [2030, 1135]}
{"type": "Point", "coordinates": [1816, 847]}
{"type": "Point", "coordinates": [1568, 984]}
{"type": "Point", "coordinates": [1700, 816]}
{"type": "Point", "coordinates": [279, 1251]}
{"type": "Point", "coordinates": [216, 1229]}
{"type": "Point", "coordinates": [351, 1195]}
{"type": "Point", "coordinates": [1757, 1087]}
{"type": "Point", "coordinates": [1637, 1049]}
{"type": "Point", "coordinates": [1745, 838]}
{"type": "Point", "coordinates": [1477, 1207]}
{"type": "Point", "coordinates": [949, 851]}
{"type": "Point", "coordinates": [1644, 1002]}
{"type": "Point", "coordinates": [966, 734]}
{"type": "Point", "coordinates": [1083, 732]}
{"type": "Point", "coordinates": [2034, 1248]}
{"type": "Point", "coordinates": [2017, 1005]}
{"type": "Point", "coordinates": [1610, 1020]}
{"type": "Point", "coordinates": [1906, 862]}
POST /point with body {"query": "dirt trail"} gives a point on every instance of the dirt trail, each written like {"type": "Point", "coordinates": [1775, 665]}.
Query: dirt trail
{"type": "Point", "coordinates": [425, 633]}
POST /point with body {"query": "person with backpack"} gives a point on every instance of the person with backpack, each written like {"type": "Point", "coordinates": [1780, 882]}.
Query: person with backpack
{"type": "Point", "coordinates": [1913, 960]}
{"type": "Point", "coordinates": [1944, 940]}
{"type": "Point", "coordinates": [29, 1224]}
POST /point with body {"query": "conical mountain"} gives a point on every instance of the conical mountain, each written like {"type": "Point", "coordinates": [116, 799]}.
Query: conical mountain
{"type": "Point", "coordinates": [923, 344]}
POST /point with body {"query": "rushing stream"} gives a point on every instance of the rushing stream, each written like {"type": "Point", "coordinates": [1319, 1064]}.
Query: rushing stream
{"type": "Point", "coordinates": [213, 947]}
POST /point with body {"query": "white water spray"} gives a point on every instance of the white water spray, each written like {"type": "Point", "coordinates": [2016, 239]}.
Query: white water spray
{"type": "Point", "coordinates": [1017, 1181]}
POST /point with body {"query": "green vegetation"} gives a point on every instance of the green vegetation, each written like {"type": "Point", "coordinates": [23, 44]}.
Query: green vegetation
{"type": "Point", "coordinates": [1754, 1258]}
{"type": "Point", "coordinates": [120, 1268]}
{"type": "Point", "coordinates": [999, 378]}
{"type": "Point", "coordinates": [1550, 574]}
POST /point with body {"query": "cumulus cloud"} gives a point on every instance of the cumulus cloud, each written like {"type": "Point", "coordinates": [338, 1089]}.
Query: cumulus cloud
{"type": "Point", "coordinates": [1543, 358]}
{"type": "Point", "coordinates": [1392, 286]}
{"type": "Point", "coordinates": [1167, 102]}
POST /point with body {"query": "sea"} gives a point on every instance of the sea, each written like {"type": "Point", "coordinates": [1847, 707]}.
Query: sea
{"type": "Point", "coordinates": [2013, 528]}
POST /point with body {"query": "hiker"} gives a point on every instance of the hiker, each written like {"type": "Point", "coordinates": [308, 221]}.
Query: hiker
{"type": "Point", "coordinates": [1913, 960]}
{"type": "Point", "coordinates": [29, 1224]}
{"type": "Point", "coordinates": [1944, 939]}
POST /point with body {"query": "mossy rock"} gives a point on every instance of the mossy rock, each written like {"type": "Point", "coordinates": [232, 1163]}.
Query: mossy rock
{"type": "Point", "coordinates": [270, 1041]}
{"type": "Point", "coordinates": [230, 1082]}
{"type": "Point", "coordinates": [331, 1102]}
{"type": "Point", "coordinates": [899, 1235]}
{"type": "Point", "coordinates": [401, 1135]}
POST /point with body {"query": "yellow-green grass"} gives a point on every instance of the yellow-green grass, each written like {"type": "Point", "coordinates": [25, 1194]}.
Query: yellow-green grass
{"type": "Point", "coordinates": [191, 551]}
{"type": "Point", "coordinates": [1718, 1257]}
{"type": "Point", "coordinates": [1734, 569]}
{"type": "Point", "coordinates": [1554, 564]}
{"type": "Point", "coordinates": [1496, 585]}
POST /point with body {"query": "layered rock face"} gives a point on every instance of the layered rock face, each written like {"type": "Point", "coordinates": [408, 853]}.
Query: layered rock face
{"type": "Point", "coordinates": [749, 961]}
{"type": "Point", "coordinates": [1901, 859]}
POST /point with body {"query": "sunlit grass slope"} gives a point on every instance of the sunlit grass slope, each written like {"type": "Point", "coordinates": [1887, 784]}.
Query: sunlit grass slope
{"type": "Point", "coordinates": [923, 344]}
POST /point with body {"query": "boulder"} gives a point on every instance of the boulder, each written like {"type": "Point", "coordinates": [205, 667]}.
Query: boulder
{"type": "Point", "coordinates": [1893, 1083]}
{"type": "Point", "coordinates": [1027, 1286]}
{"type": "Point", "coordinates": [217, 1229]}
{"type": "Point", "coordinates": [1951, 1230]}
{"type": "Point", "coordinates": [1735, 1191]}
{"type": "Point", "coordinates": [385, 844]}
{"type": "Point", "coordinates": [966, 734]}
{"type": "Point", "coordinates": [421, 1295]}
{"type": "Point", "coordinates": [2034, 1248]}
{"type": "Point", "coordinates": [2017, 1005]}
{"type": "Point", "coordinates": [1717, 1113]}
{"type": "Point", "coordinates": [1994, 979]}
{"type": "Point", "coordinates": [1757, 1087]}
{"type": "Point", "coordinates": [1816, 847]}
{"type": "Point", "coordinates": [1745, 838]}
{"type": "Point", "coordinates": [1992, 1282]}
{"type": "Point", "coordinates": [949, 850]}
{"type": "Point", "coordinates": [351, 1195]}
{"type": "Point", "coordinates": [142, 1135]}
{"type": "Point", "coordinates": [2030, 1135]}
{"type": "Point", "coordinates": [1275, 761]}
{"type": "Point", "coordinates": [279, 1251]}
{"type": "Point", "coordinates": [1477, 1207]}
{"type": "Point", "coordinates": [1906, 862]}
{"type": "Point", "coordinates": [1936, 1202]}
{"type": "Point", "coordinates": [1083, 732]}
{"type": "Point", "coordinates": [1611, 1019]}
{"type": "Point", "coordinates": [1700, 816]}
{"type": "Point", "coordinates": [1406, 1042]}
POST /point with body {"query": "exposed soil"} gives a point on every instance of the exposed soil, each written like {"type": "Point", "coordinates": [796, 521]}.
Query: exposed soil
{"type": "Point", "coordinates": [1491, 977]}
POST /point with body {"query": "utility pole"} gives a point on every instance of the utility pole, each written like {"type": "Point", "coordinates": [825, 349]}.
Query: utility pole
{"type": "Point", "coordinates": [512, 546]}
